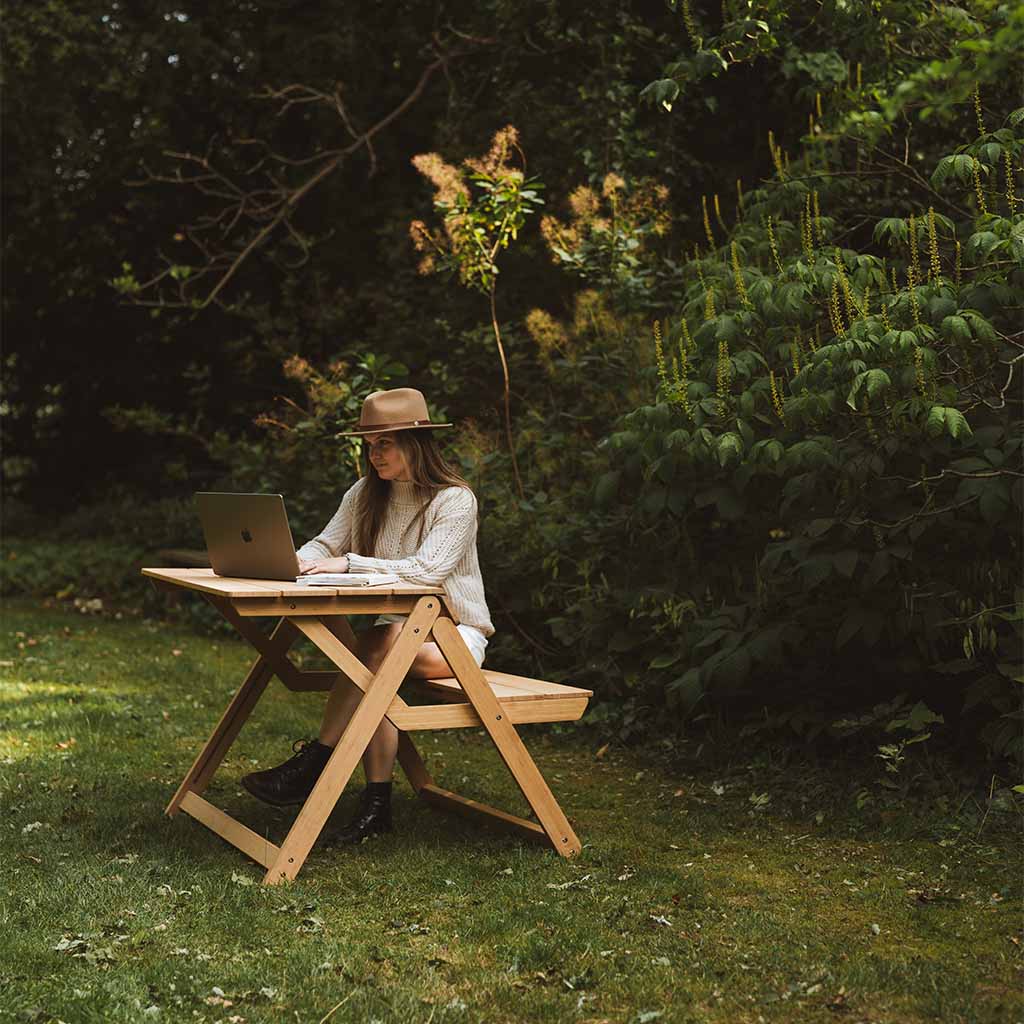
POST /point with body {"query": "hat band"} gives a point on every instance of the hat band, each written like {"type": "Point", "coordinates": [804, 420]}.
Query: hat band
{"type": "Point", "coordinates": [396, 425]}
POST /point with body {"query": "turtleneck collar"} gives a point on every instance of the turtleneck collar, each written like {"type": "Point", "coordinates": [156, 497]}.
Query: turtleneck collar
{"type": "Point", "coordinates": [403, 492]}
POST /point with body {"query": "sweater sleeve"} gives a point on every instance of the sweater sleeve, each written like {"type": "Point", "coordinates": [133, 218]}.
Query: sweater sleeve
{"type": "Point", "coordinates": [450, 536]}
{"type": "Point", "coordinates": [336, 537]}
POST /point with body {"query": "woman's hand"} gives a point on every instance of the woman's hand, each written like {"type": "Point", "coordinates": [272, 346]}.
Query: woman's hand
{"type": "Point", "coordinates": [323, 565]}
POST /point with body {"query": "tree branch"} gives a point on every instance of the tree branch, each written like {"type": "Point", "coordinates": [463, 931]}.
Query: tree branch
{"type": "Point", "coordinates": [267, 209]}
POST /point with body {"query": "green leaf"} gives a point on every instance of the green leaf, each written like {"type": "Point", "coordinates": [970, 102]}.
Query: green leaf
{"type": "Point", "coordinates": [726, 328]}
{"type": "Point", "coordinates": [730, 449]}
{"type": "Point", "coordinates": [956, 422]}
{"type": "Point", "coordinates": [686, 691]}
{"type": "Point", "coordinates": [663, 92]}
{"type": "Point", "coordinates": [873, 381]}
{"type": "Point", "coordinates": [920, 716]}
{"type": "Point", "coordinates": [955, 327]}
{"type": "Point", "coordinates": [664, 660]}
{"type": "Point", "coordinates": [942, 418]}
{"type": "Point", "coordinates": [1012, 670]}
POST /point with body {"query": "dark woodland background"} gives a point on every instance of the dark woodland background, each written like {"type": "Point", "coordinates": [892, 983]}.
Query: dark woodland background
{"type": "Point", "coordinates": [794, 504]}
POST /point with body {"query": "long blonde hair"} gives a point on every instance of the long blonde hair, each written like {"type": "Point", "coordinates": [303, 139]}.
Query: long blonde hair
{"type": "Point", "coordinates": [430, 473]}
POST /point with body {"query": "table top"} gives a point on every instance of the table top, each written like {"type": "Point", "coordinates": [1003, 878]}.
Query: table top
{"type": "Point", "coordinates": [206, 581]}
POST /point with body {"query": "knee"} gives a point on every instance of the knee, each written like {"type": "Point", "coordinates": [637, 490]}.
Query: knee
{"type": "Point", "coordinates": [374, 646]}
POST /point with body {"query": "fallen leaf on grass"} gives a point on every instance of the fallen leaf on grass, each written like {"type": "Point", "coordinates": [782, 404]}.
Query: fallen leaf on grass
{"type": "Point", "coordinates": [838, 1002]}
{"type": "Point", "coordinates": [935, 895]}
{"type": "Point", "coordinates": [602, 751]}
{"type": "Point", "coordinates": [570, 884]}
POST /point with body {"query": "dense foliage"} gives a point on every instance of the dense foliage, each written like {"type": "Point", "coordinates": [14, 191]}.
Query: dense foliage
{"type": "Point", "coordinates": [765, 358]}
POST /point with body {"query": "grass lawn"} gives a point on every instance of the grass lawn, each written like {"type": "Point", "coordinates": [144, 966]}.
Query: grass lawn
{"type": "Point", "coordinates": [732, 883]}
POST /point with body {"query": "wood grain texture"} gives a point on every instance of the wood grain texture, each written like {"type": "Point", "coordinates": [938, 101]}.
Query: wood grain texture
{"type": "Point", "coordinates": [412, 764]}
{"type": "Point", "coordinates": [205, 581]}
{"type": "Point", "coordinates": [463, 715]}
{"type": "Point", "coordinates": [261, 850]}
{"type": "Point", "coordinates": [449, 801]}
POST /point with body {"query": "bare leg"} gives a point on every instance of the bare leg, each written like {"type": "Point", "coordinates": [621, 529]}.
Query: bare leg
{"type": "Point", "coordinates": [380, 753]}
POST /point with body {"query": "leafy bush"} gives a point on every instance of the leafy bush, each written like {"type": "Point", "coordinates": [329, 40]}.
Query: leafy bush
{"type": "Point", "coordinates": [832, 467]}
{"type": "Point", "coordinates": [82, 569]}
{"type": "Point", "coordinates": [819, 513]}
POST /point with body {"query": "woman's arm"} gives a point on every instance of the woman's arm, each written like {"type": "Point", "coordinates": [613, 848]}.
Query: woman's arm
{"type": "Point", "coordinates": [451, 535]}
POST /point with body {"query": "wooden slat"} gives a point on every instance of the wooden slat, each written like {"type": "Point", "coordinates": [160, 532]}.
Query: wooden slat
{"type": "Point", "coordinates": [517, 690]}
{"type": "Point", "coordinates": [388, 589]}
{"type": "Point", "coordinates": [447, 800]}
{"type": "Point", "coordinates": [536, 685]}
{"type": "Point", "coordinates": [204, 580]}
{"type": "Point", "coordinates": [261, 850]}
{"type": "Point", "coordinates": [321, 605]}
{"type": "Point", "coordinates": [412, 764]}
{"type": "Point", "coordinates": [463, 716]}
{"type": "Point", "coordinates": [449, 689]}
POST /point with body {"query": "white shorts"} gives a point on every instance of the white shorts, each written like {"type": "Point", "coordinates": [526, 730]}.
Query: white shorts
{"type": "Point", "coordinates": [475, 640]}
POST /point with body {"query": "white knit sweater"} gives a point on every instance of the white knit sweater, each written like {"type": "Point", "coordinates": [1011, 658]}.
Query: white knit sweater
{"type": "Point", "coordinates": [446, 557]}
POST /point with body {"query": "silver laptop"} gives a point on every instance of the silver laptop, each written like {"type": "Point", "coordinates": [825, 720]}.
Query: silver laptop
{"type": "Point", "coordinates": [247, 535]}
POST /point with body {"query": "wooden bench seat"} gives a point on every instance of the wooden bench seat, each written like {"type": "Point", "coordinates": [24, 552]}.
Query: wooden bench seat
{"type": "Point", "coordinates": [529, 700]}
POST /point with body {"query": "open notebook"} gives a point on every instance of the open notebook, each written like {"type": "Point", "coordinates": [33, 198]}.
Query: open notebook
{"type": "Point", "coordinates": [347, 579]}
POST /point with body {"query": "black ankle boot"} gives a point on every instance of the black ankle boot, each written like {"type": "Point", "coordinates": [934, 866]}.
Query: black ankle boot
{"type": "Point", "coordinates": [372, 817]}
{"type": "Point", "coordinates": [293, 781]}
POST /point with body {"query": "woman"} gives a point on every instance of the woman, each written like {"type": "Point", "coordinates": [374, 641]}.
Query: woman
{"type": "Point", "coordinates": [411, 514]}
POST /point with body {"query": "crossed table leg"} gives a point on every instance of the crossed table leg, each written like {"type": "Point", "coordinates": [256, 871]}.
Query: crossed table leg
{"type": "Point", "coordinates": [427, 617]}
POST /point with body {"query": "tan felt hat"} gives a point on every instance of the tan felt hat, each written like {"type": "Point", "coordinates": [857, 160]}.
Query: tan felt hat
{"type": "Point", "coordinates": [398, 409]}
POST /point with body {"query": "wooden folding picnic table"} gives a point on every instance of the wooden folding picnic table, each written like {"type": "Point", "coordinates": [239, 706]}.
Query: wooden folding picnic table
{"type": "Point", "coordinates": [496, 701]}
